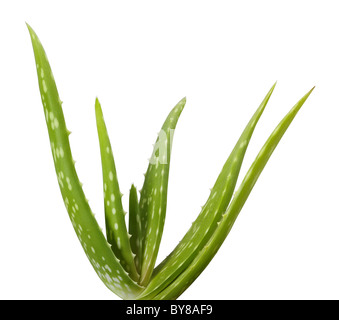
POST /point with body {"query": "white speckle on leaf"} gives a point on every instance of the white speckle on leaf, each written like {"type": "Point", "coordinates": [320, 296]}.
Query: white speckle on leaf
{"type": "Point", "coordinates": [44, 86]}
{"type": "Point", "coordinates": [56, 123]}
{"type": "Point", "coordinates": [68, 183]}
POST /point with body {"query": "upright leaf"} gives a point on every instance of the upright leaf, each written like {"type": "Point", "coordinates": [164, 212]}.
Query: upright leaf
{"type": "Point", "coordinates": [135, 226]}
{"type": "Point", "coordinates": [116, 229]}
{"type": "Point", "coordinates": [153, 198]}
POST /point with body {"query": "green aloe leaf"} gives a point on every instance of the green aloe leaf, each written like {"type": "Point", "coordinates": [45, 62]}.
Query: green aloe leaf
{"type": "Point", "coordinates": [153, 197]}
{"type": "Point", "coordinates": [116, 229]}
{"type": "Point", "coordinates": [186, 278]}
{"type": "Point", "coordinates": [134, 226]}
{"type": "Point", "coordinates": [204, 226]}
{"type": "Point", "coordinates": [97, 249]}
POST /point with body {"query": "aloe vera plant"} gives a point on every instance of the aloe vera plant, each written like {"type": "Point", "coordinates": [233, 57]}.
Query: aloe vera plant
{"type": "Point", "coordinates": [125, 259]}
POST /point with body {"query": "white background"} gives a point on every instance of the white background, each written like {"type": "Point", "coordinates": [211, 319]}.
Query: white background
{"type": "Point", "coordinates": [140, 58]}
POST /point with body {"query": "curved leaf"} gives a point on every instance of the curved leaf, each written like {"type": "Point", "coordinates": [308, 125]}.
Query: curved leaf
{"type": "Point", "coordinates": [98, 251]}
{"type": "Point", "coordinates": [204, 226]}
{"type": "Point", "coordinates": [186, 278]}
{"type": "Point", "coordinates": [116, 229]}
{"type": "Point", "coordinates": [153, 197]}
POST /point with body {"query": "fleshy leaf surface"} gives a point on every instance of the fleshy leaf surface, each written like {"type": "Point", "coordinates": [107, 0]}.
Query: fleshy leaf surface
{"type": "Point", "coordinates": [97, 249]}
{"type": "Point", "coordinates": [153, 197]}
{"type": "Point", "coordinates": [116, 230]}
{"type": "Point", "coordinates": [134, 226]}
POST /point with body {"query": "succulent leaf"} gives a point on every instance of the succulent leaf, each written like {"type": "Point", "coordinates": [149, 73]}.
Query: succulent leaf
{"type": "Point", "coordinates": [205, 224]}
{"type": "Point", "coordinates": [97, 249]}
{"type": "Point", "coordinates": [186, 278]}
{"type": "Point", "coordinates": [116, 230]}
{"type": "Point", "coordinates": [153, 197]}
{"type": "Point", "coordinates": [134, 226]}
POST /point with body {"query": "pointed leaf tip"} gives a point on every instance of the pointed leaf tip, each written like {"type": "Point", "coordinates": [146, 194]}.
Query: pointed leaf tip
{"type": "Point", "coordinates": [97, 105]}
{"type": "Point", "coordinates": [28, 26]}
{"type": "Point", "coordinates": [31, 31]}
